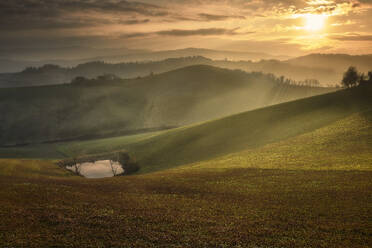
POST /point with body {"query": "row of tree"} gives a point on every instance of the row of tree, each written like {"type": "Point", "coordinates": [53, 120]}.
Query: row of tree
{"type": "Point", "coordinates": [353, 78]}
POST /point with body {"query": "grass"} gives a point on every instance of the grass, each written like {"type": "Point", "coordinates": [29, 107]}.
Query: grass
{"type": "Point", "coordinates": [343, 145]}
{"type": "Point", "coordinates": [31, 168]}
{"type": "Point", "coordinates": [195, 208]}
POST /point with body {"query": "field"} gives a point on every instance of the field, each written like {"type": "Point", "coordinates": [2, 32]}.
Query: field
{"type": "Point", "coordinates": [190, 208]}
{"type": "Point", "coordinates": [303, 179]}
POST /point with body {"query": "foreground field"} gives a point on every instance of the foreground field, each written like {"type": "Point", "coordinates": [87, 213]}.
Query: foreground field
{"type": "Point", "coordinates": [194, 208]}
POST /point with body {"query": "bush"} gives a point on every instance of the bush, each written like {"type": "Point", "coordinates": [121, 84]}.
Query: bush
{"type": "Point", "coordinates": [129, 166]}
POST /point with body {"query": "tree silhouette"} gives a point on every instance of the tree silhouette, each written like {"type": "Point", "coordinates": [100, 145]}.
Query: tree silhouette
{"type": "Point", "coordinates": [351, 77]}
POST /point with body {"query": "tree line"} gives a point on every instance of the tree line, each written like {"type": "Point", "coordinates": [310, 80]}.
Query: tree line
{"type": "Point", "coordinates": [353, 78]}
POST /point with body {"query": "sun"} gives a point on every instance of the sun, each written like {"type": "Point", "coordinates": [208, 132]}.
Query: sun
{"type": "Point", "coordinates": [314, 22]}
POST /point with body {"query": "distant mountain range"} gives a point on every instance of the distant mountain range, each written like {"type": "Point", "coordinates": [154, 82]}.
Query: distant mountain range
{"type": "Point", "coordinates": [327, 68]}
{"type": "Point", "coordinates": [67, 57]}
{"type": "Point", "coordinates": [337, 62]}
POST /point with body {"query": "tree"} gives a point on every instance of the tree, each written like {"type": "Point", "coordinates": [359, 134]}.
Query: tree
{"type": "Point", "coordinates": [351, 77]}
{"type": "Point", "coordinates": [128, 165]}
{"type": "Point", "coordinates": [79, 80]}
{"type": "Point", "coordinates": [77, 167]}
{"type": "Point", "coordinates": [113, 168]}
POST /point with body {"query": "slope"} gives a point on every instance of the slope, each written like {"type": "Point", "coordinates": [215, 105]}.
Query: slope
{"type": "Point", "coordinates": [248, 130]}
{"type": "Point", "coordinates": [343, 145]}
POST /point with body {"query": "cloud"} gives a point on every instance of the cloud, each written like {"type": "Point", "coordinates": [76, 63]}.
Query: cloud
{"type": "Point", "coordinates": [188, 32]}
{"type": "Point", "coordinates": [353, 37]}
{"type": "Point", "coordinates": [211, 17]}
{"type": "Point", "coordinates": [203, 32]}
{"type": "Point", "coordinates": [134, 21]}
{"type": "Point", "coordinates": [46, 14]}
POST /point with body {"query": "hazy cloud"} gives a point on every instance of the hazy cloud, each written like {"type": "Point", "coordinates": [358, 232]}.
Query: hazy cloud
{"type": "Point", "coordinates": [210, 17]}
{"type": "Point", "coordinates": [354, 37]}
{"type": "Point", "coordinates": [187, 32]}
{"type": "Point", "coordinates": [41, 14]}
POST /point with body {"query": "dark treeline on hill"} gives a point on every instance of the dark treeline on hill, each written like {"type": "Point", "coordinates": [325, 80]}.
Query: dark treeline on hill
{"type": "Point", "coordinates": [111, 78]}
{"type": "Point", "coordinates": [309, 67]}
{"type": "Point", "coordinates": [122, 106]}
{"type": "Point", "coordinates": [353, 78]}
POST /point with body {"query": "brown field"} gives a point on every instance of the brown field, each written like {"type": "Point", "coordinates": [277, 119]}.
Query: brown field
{"type": "Point", "coordinates": [190, 208]}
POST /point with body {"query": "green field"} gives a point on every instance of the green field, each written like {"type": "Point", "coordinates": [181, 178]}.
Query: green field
{"type": "Point", "coordinates": [296, 174]}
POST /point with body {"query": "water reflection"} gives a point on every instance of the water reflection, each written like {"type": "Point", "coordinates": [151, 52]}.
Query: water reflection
{"type": "Point", "coordinates": [98, 169]}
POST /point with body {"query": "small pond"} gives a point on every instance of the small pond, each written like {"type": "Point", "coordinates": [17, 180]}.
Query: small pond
{"type": "Point", "coordinates": [98, 169]}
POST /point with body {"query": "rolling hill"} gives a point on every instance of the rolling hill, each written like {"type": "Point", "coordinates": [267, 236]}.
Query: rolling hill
{"type": "Point", "coordinates": [338, 62]}
{"type": "Point", "coordinates": [326, 68]}
{"type": "Point", "coordinates": [103, 108]}
{"type": "Point", "coordinates": [18, 59]}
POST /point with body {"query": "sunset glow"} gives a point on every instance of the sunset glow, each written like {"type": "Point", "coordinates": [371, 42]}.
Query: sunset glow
{"type": "Point", "coordinates": [276, 27]}
{"type": "Point", "coordinates": [315, 22]}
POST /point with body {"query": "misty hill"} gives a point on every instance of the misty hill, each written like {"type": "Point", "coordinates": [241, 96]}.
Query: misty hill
{"type": "Point", "coordinates": [192, 52]}
{"type": "Point", "coordinates": [53, 74]}
{"type": "Point", "coordinates": [67, 57]}
{"type": "Point", "coordinates": [337, 62]}
{"type": "Point", "coordinates": [103, 108]}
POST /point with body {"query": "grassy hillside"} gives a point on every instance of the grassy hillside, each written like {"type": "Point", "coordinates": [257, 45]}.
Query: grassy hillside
{"type": "Point", "coordinates": [343, 145]}
{"type": "Point", "coordinates": [176, 98]}
{"type": "Point", "coordinates": [248, 130]}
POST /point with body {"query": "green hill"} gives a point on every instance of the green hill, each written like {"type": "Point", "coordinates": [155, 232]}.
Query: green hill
{"type": "Point", "coordinates": [248, 130]}
{"type": "Point", "coordinates": [343, 145]}
{"type": "Point", "coordinates": [120, 107]}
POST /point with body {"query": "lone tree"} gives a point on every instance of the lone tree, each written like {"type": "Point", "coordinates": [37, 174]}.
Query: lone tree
{"type": "Point", "coordinates": [129, 166]}
{"type": "Point", "coordinates": [351, 77]}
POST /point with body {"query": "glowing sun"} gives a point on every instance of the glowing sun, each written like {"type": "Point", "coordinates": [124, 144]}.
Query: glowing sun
{"type": "Point", "coordinates": [314, 22]}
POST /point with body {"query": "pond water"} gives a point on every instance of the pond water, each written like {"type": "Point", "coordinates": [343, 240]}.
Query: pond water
{"type": "Point", "coordinates": [98, 169]}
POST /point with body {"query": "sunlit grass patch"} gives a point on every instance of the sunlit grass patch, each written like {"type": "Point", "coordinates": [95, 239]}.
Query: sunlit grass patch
{"type": "Point", "coordinates": [31, 168]}
{"type": "Point", "coordinates": [344, 145]}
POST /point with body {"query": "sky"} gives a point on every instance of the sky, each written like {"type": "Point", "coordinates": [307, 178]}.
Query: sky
{"type": "Point", "coordinates": [278, 27]}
